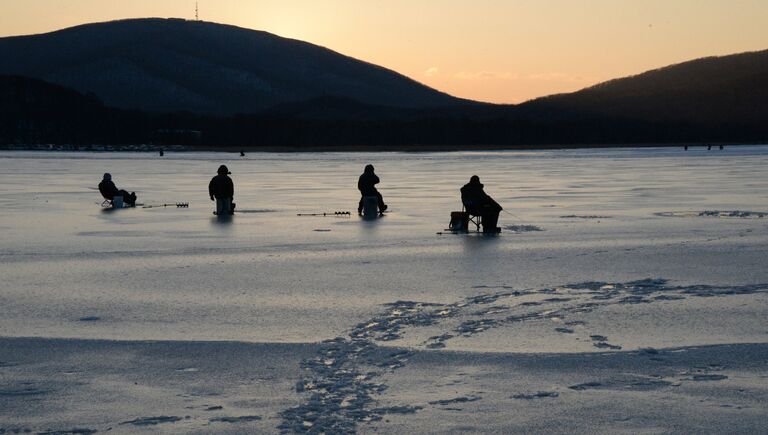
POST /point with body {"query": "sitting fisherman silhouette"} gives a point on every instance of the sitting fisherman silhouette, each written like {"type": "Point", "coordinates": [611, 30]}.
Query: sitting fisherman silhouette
{"type": "Point", "coordinates": [367, 186]}
{"type": "Point", "coordinates": [478, 203]}
{"type": "Point", "coordinates": [222, 190]}
{"type": "Point", "coordinates": [109, 191]}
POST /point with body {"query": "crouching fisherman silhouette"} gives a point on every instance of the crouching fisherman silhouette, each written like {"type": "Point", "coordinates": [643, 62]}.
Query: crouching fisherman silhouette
{"type": "Point", "coordinates": [478, 203]}
{"type": "Point", "coordinates": [110, 192]}
{"type": "Point", "coordinates": [367, 186]}
{"type": "Point", "coordinates": [222, 190]}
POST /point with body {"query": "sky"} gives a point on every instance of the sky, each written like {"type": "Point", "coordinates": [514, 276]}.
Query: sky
{"type": "Point", "coordinates": [502, 51]}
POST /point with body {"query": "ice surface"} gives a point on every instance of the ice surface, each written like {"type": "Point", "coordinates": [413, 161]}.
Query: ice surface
{"type": "Point", "coordinates": [604, 251]}
{"type": "Point", "coordinates": [269, 275]}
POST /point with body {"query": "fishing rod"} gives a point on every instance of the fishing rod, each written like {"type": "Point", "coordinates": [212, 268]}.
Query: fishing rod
{"type": "Point", "coordinates": [335, 213]}
{"type": "Point", "coordinates": [177, 204]}
{"type": "Point", "coordinates": [514, 216]}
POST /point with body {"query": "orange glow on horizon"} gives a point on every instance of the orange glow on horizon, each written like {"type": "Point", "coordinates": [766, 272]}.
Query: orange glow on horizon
{"type": "Point", "coordinates": [503, 51]}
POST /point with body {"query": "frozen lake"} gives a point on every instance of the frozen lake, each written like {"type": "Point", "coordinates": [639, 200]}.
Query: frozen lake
{"type": "Point", "coordinates": [72, 270]}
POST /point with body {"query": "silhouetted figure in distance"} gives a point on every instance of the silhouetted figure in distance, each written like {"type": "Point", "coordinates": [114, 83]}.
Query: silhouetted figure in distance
{"type": "Point", "coordinates": [222, 190]}
{"type": "Point", "coordinates": [367, 186]}
{"type": "Point", "coordinates": [109, 191]}
{"type": "Point", "coordinates": [478, 203]}
{"type": "Point", "coordinates": [242, 153]}
{"type": "Point", "coordinates": [161, 153]}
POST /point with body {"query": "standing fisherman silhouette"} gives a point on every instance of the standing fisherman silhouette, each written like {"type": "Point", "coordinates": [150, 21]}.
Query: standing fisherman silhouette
{"type": "Point", "coordinates": [478, 203]}
{"type": "Point", "coordinates": [110, 191]}
{"type": "Point", "coordinates": [222, 190]}
{"type": "Point", "coordinates": [367, 186]}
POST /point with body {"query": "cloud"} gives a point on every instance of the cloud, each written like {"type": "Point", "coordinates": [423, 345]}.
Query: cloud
{"type": "Point", "coordinates": [432, 71]}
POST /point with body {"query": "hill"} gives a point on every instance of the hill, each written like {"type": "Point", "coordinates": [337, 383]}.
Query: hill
{"type": "Point", "coordinates": [721, 90]}
{"type": "Point", "coordinates": [36, 112]}
{"type": "Point", "coordinates": [717, 99]}
{"type": "Point", "coordinates": [169, 65]}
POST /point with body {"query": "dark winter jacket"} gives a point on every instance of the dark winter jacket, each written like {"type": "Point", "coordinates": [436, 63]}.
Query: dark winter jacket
{"type": "Point", "coordinates": [108, 189]}
{"type": "Point", "coordinates": [367, 182]}
{"type": "Point", "coordinates": [221, 187]}
{"type": "Point", "coordinates": [474, 197]}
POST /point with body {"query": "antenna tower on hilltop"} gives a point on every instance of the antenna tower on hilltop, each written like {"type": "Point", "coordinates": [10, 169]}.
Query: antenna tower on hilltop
{"type": "Point", "coordinates": [197, 16]}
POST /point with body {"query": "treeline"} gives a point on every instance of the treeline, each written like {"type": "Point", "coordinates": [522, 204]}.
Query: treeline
{"type": "Point", "coordinates": [35, 112]}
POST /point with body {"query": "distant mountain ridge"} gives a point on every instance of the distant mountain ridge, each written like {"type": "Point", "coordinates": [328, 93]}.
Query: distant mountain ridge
{"type": "Point", "coordinates": [712, 71]}
{"type": "Point", "coordinates": [732, 88]}
{"type": "Point", "coordinates": [169, 65]}
{"type": "Point", "coordinates": [714, 99]}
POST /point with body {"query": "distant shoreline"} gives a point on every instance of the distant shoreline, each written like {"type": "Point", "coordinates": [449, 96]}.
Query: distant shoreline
{"type": "Point", "coordinates": [351, 148]}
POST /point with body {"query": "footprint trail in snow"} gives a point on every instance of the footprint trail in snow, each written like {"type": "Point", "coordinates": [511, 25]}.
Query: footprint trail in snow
{"type": "Point", "coordinates": [344, 378]}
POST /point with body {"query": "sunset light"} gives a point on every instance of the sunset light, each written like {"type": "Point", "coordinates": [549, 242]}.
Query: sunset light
{"type": "Point", "coordinates": [503, 51]}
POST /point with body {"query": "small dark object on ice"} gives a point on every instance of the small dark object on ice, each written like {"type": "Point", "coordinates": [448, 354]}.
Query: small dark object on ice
{"type": "Point", "coordinates": [536, 395]}
{"type": "Point", "coordinates": [335, 213]}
